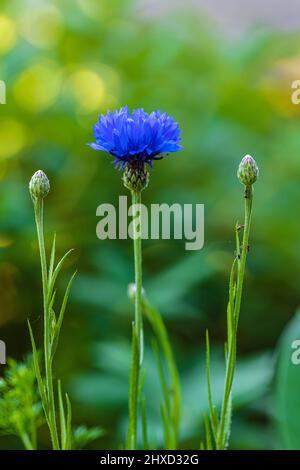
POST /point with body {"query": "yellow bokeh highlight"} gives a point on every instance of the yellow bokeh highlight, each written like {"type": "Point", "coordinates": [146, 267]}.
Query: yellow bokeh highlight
{"type": "Point", "coordinates": [5, 241]}
{"type": "Point", "coordinates": [8, 34]}
{"type": "Point", "coordinates": [42, 25]}
{"type": "Point", "coordinates": [277, 86]}
{"type": "Point", "coordinates": [88, 89]}
{"type": "Point", "coordinates": [12, 137]}
{"type": "Point", "coordinates": [92, 8]}
{"type": "Point", "coordinates": [38, 87]}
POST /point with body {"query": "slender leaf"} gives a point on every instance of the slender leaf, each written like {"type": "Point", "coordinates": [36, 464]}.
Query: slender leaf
{"type": "Point", "coordinates": [61, 316]}
{"type": "Point", "coordinates": [68, 424]}
{"type": "Point", "coordinates": [166, 426]}
{"type": "Point", "coordinates": [38, 372]}
{"type": "Point", "coordinates": [144, 425]}
{"type": "Point", "coordinates": [52, 259]}
{"type": "Point", "coordinates": [161, 334]}
{"type": "Point", "coordinates": [131, 437]}
{"type": "Point", "coordinates": [83, 436]}
{"type": "Point", "coordinates": [212, 409]}
{"type": "Point", "coordinates": [209, 444]}
{"type": "Point", "coordinates": [161, 374]}
{"type": "Point", "coordinates": [56, 273]}
{"type": "Point", "coordinates": [63, 429]}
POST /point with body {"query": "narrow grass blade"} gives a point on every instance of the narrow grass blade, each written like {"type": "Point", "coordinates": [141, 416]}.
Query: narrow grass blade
{"type": "Point", "coordinates": [166, 409]}
{"type": "Point", "coordinates": [68, 424]}
{"type": "Point", "coordinates": [231, 302]}
{"type": "Point", "coordinates": [209, 444]}
{"type": "Point", "coordinates": [61, 316]}
{"type": "Point", "coordinates": [133, 391]}
{"type": "Point", "coordinates": [228, 420]}
{"type": "Point", "coordinates": [144, 425]}
{"type": "Point", "coordinates": [237, 241]}
{"type": "Point", "coordinates": [163, 383]}
{"type": "Point", "coordinates": [212, 409]}
{"type": "Point", "coordinates": [141, 382]}
{"type": "Point", "coordinates": [162, 337]}
{"type": "Point", "coordinates": [38, 372]}
{"type": "Point", "coordinates": [62, 418]}
{"type": "Point", "coordinates": [52, 300]}
{"type": "Point", "coordinates": [166, 425]}
{"type": "Point", "coordinates": [52, 259]}
{"type": "Point", "coordinates": [56, 273]}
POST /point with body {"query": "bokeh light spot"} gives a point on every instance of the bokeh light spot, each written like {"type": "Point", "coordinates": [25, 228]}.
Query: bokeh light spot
{"type": "Point", "coordinates": [42, 25]}
{"type": "Point", "coordinates": [12, 137]}
{"type": "Point", "coordinates": [5, 241]}
{"type": "Point", "coordinates": [8, 34]}
{"type": "Point", "coordinates": [38, 87]}
{"type": "Point", "coordinates": [92, 8]}
{"type": "Point", "coordinates": [88, 89]}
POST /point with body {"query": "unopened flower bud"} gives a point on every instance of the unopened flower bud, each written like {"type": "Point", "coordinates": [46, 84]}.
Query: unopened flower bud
{"type": "Point", "coordinates": [39, 185]}
{"type": "Point", "coordinates": [248, 171]}
{"type": "Point", "coordinates": [135, 179]}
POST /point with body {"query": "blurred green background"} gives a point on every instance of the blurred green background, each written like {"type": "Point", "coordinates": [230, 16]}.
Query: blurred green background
{"type": "Point", "coordinates": [65, 62]}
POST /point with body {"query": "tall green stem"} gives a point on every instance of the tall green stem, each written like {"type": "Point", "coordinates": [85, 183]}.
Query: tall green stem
{"type": "Point", "coordinates": [137, 244]}
{"type": "Point", "coordinates": [245, 246]}
{"type": "Point", "coordinates": [225, 419]}
{"type": "Point", "coordinates": [137, 331]}
{"type": "Point", "coordinates": [51, 416]}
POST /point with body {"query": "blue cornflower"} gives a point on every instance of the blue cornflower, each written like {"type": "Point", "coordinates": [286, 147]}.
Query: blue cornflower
{"type": "Point", "coordinates": [137, 138]}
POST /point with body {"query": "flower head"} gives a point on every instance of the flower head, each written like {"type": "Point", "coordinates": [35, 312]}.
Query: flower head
{"type": "Point", "coordinates": [248, 171]}
{"type": "Point", "coordinates": [39, 185]}
{"type": "Point", "coordinates": [137, 138]}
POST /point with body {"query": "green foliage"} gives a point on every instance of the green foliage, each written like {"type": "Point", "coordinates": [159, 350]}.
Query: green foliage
{"type": "Point", "coordinates": [83, 436]}
{"type": "Point", "coordinates": [52, 326]}
{"type": "Point", "coordinates": [20, 408]}
{"type": "Point", "coordinates": [221, 428]}
{"type": "Point", "coordinates": [169, 381]}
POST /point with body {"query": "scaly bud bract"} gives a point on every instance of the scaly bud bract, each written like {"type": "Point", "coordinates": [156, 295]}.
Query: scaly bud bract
{"type": "Point", "coordinates": [248, 171]}
{"type": "Point", "coordinates": [39, 185]}
{"type": "Point", "coordinates": [136, 178]}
